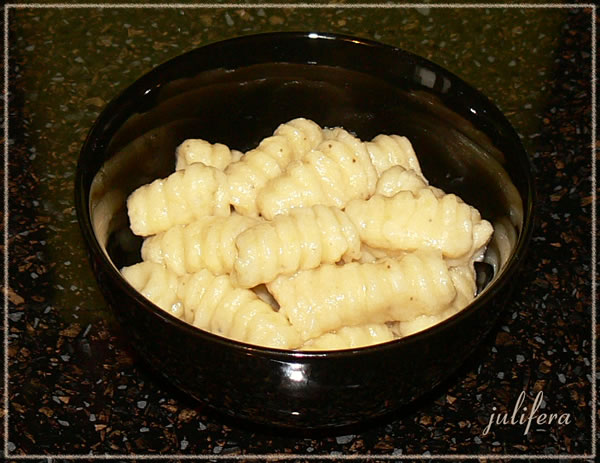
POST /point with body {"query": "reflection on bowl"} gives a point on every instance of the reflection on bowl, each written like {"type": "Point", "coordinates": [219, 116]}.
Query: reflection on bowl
{"type": "Point", "coordinates": [236, 92]}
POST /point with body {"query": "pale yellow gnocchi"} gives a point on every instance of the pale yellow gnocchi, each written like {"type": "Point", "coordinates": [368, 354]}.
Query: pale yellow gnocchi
{"type": "Point", "coordinates": [332, 296]}
{"type": "Point", "coordinates": [268, 160]}
{"type": "Point", "coordinates": [157, 284]}
{"type": "Point", "coordinates": [213, 303]}
{"type": "Point", "coordinates": [398, 178]}
{"type": "Point", "coordinates": [207, 243]}
{"type": "Point", "coordinates": [337, 170]}
{"type": "Point", "coordinates": [313, 240]}
{"type": "Point", "coordinates": [392, 150]}
{"type": "Point", "coordinates": [195, 150]}
{"type": "Point", "coordinates": [352, 337]}
{"type": "Point", "coordinates": [184, 196]}
{"type": "Point", "coordinates": [303, 239]}
{"type": "Point", "coordinates": [411, 221]}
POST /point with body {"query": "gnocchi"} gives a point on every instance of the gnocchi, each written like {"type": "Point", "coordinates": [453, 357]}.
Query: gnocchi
{"type": "Point", "coordinates": [313, 240]}
{"type": "Point", "coordinates": [392, 150]}
{"type": "Point", "coordinates": [411, 221]}
{"type": "Point", "coordinates": [216, 155]}
{"type": "Point", "coordinates": [304, 239]}
{"type": "Point", "coordinates": [336, 171]}
{"type": "Point", "coordinates": [352, 336]}
{"type": "Point", "coordinates": [185, 195]}
{"type": "Point", "coordinates": [207, 243]}
{"type": "Point", "coordinates": [213, 303]}
{"type": "Point", "coordinates": [247, 176]}
{"type": "Point", "coordinates": [331, 296]}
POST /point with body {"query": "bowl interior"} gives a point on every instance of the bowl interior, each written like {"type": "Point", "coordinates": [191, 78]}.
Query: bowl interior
{"type": "Point", "coordinates": [238, 91]}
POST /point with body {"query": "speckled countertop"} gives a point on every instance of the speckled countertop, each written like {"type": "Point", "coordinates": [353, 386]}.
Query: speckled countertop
{"type": "Point", "coordinates": [74, 387]}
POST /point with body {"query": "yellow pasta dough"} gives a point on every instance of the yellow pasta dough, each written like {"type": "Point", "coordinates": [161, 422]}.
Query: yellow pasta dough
{"type": "Point", "coordinates": [184, 196]}
{"type": "Point", "coordinates": [333, 243]}
{"type": "Point", "coordinates": [463, 278]}
{"type": "Point", "coordinates": [398, 178]}
{"type": "Point", "coordinates": [350, 337]}
{"type": "Point", "coordinates": [410, 221]}
{"type": "Point", "coordinates": [213, 303]}
{"type": "Point", "coordinates": [364, 176]}
{"type": "Point", "coordinates": [336, 171]}
{"type": "Point", "coordinates": [422, 322]}
{"type": "Point", "coordinates": [304, 239]}
{"type": "Point", "coordinates": [333, 296]}
{"type": "Point", "coordinates": [206, 243]}
{"type": "Point", "coordinates": [196, 150]}
{"type": "Point", "coordinates": [157, 284]}
{"type": "Point", "coordinates": [248, 175]}
{"type": "Point", "coordinates": [392, 150]}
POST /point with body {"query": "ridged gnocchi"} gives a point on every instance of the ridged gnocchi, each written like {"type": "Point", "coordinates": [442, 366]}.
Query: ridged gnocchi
{"type": "Point", "coordinates": [184, 196]}
{"type": "Point", "coordinates": [411, 221]}
{"type": "Point", "coordinates": [207, 243]}
{"type": "Point", "coordinates": [213, 303]}
{"type": "Point", "coordinates": [332, 296]}
{"type": "Point", "coordinates": [397, 178]}
{"type": "Point", "coordinates": [350, 337]}
{"type": "Point", "coordinates": [157, 284]}
{"type": "Point", "coordinates": [463, 278]}
{"type": "Point", "coordinates": [248, 176]}
{"type": "Point", "coordinates": [336, 171]}
{"type": "Point", "coordinates": [313, 240]}
{"type": "Point", "coordinates": [392, 150]}
{"type": "Point", "coordinates": [303, 239]}
{"type": "Point", "coordinates": [196, 150]}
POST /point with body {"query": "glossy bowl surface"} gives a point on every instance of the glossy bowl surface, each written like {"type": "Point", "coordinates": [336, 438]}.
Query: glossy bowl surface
{"type": "Point", "coordinates": [236, 92]}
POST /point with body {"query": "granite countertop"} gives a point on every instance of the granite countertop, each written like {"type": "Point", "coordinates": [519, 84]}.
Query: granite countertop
{"type": "Point", "coordinates": [74, 387]}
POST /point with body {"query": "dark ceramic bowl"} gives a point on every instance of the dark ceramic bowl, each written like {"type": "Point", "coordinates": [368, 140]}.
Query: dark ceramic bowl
{"type": "Point", "coordinates": [237, 92]}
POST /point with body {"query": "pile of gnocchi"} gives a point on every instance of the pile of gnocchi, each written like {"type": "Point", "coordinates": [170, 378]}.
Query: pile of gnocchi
{"type": "Point", "coordinates": [313, 240]}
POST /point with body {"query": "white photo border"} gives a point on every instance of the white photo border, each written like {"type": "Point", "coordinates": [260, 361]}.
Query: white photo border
{"type": "Point", "coordinates": [275, 456]}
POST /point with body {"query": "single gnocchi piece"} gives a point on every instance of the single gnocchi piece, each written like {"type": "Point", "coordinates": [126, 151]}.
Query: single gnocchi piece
{"type": "Point", "coordinates": [350, 337]}
{"type": "Point", "coordinates": [463, 278]}
{"type": "Point", "coordinates": [195, 150]}
{"type": "Point", "coordinates": [303, 239]}
{"type": "Point", "coordinates": [249, 175]}
{"type": "Point", "coordinates": [398, 178]}
{"type": "Point", "coordinates": [155, 283]}
{"type": "Point", "coordinates": [411, 221]}
{"type": "Point", "coordinates": [214, 304]}
{"type": "Point", "coordinates": [392, 150]}
{"type": "Point", "coordinates": [336, 171]}
{"type": "Point", "coordinates": [366, 175]}
{"type": "Point", "coordinates": [182, 197]}
{"type": "Point", "coordinates": [422, 322]}
{"type": "Point", "coordinates": [302, 135]}
{"type": "Point", "coordinates": [207, 243]}
{"type": "Point", "coordinates": [333, 296]}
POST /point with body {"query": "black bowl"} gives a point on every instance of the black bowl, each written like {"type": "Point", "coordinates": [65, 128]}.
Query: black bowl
{"type": "Point", "coordinates": [236, 92]}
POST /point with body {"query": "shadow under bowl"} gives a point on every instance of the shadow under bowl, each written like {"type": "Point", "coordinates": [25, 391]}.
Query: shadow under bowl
{"type": "Point", "coordinates": [237, 92]}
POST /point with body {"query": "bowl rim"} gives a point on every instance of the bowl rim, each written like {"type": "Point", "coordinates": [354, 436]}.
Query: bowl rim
{"type": "Point", "coordinates": [143, 84]}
